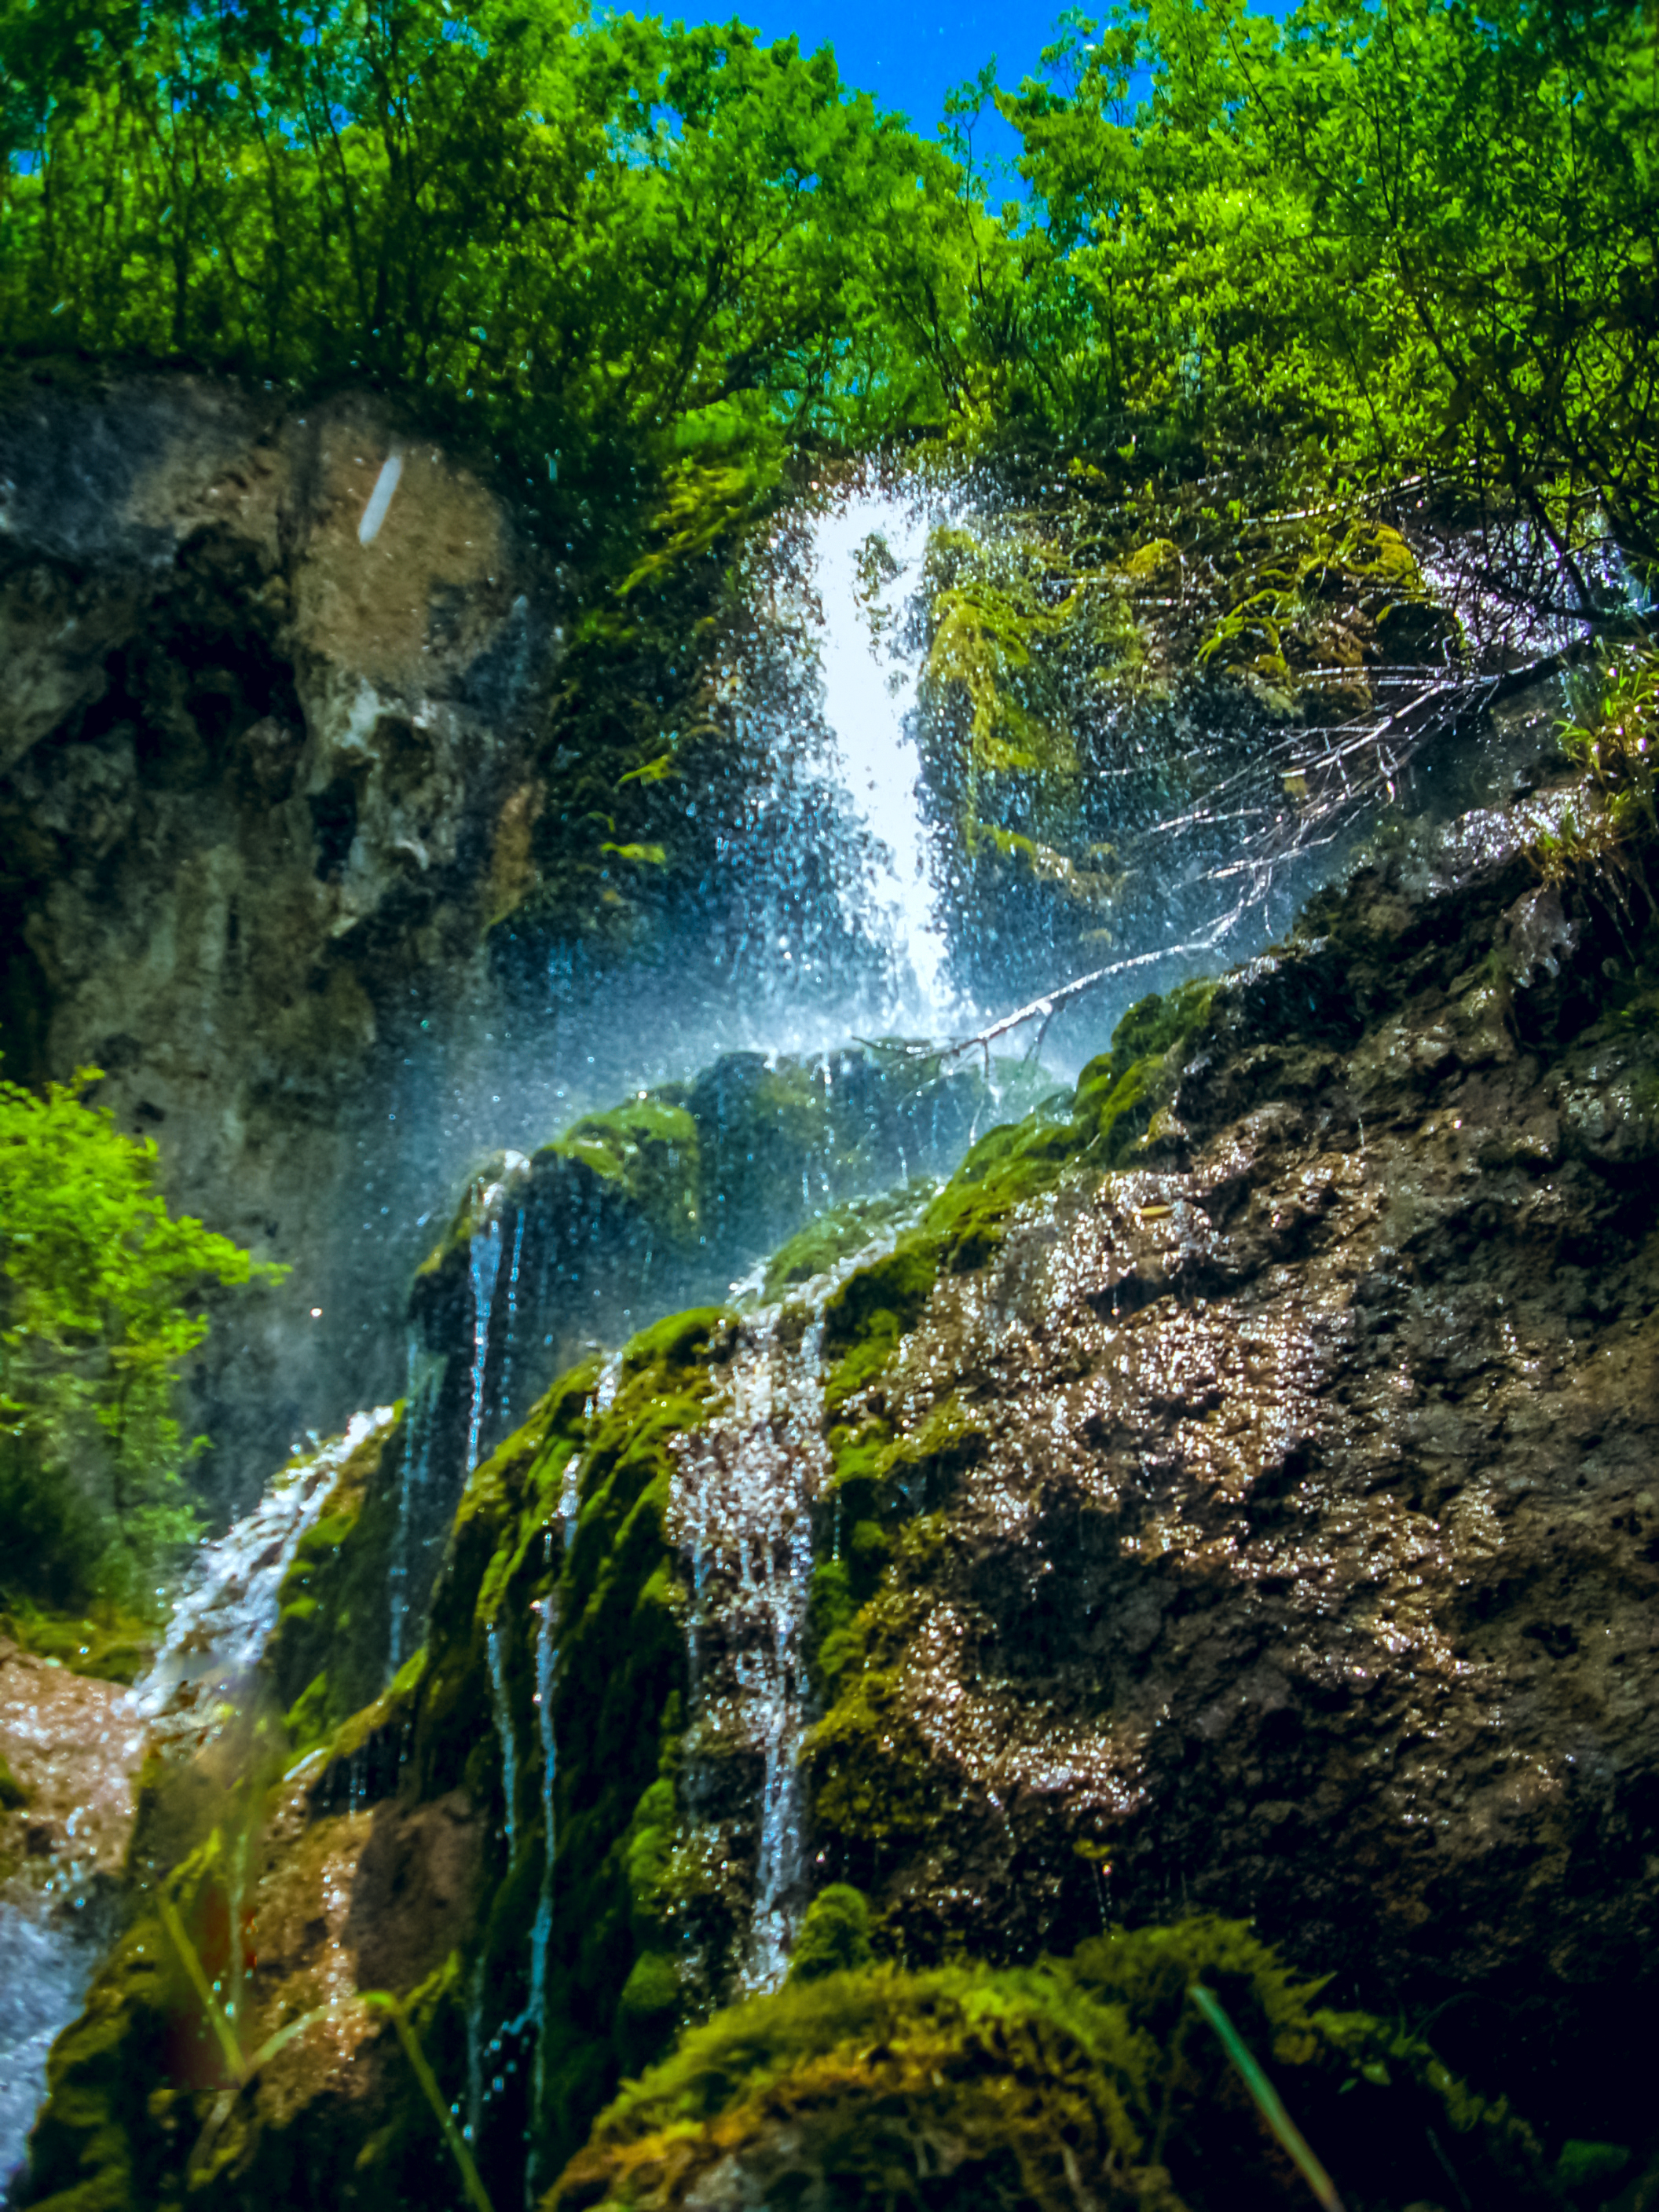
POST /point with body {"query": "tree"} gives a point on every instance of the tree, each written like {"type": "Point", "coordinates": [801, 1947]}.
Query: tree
{"type": "Point", "coordinates": [96, 1313]}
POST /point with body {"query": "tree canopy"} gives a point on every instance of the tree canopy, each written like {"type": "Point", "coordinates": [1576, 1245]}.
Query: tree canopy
{"type": "Point", "coordinates": [1392, 237]}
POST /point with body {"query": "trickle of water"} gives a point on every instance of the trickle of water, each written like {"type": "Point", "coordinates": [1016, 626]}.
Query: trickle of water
{"type": "Point", "coordinates": [741, 1511]}
{"type": "Point", "coordinates": [511, 1319]}
{"type": "Point", "coordinates": [426, 1372]}
{"type": "Point", "coordinates": [541, 1934]}
{"type": "Point", "coordinates": [484, 1253]}
{"type": "Point", "coordinates": [224, 1618]}
{"type": "Point", "coordinates": [505, 1735]}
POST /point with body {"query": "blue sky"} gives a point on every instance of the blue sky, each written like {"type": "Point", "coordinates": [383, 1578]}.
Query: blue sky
{"type": "Point", "coordinates": [909, 56]}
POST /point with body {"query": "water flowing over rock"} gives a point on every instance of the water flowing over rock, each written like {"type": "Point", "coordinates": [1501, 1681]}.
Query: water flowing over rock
{"type": "Point", "coordinates": [224, 1618]}
{"type": "Point", "coordinates": [747, 1488]}
{"type": "Point", "coordinates": [863, 1518]}
{"type": "Point", "coordinates": [70, 1750]}
{"type": "Point", "coordinates": [1227, 1493]}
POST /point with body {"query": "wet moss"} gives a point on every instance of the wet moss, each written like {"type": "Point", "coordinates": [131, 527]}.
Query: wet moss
{"type": "Point", "coordinates": [561, 1541]}
{"type": "Point", "coordinates": [109, 1646]}
{"type": "Point", "coordinates": [1112, 1109]}
{"type": "Point", "coordinates": [836, 1235]}
{"type": "Point", "coordinates": [835, 1936]}
{"type": "Point", "coordinates": [328, 1655]}
{"type": "Point", "coordinates": [1090, 2080]}
{"type": "Point", "coordinates": [650, 1151]}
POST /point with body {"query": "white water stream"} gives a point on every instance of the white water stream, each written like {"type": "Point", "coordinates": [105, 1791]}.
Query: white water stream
{"type": "Point", "coordinates": [865, 565]}
{"type": "Point", "coordinates": [223, 1620]}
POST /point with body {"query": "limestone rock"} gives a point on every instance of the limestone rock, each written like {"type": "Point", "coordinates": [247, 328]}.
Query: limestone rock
{"type": "Point", "coordinates": [264, 739]}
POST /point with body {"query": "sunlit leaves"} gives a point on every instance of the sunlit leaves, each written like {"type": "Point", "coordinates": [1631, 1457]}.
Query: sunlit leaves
{"type": "Point", "coordinates": [96, 1313]}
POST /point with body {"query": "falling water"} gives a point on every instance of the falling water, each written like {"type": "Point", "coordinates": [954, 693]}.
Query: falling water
{"type": "Point", "coordinates": [512, 1319]}
{"type": "Point", "coordinates": [505, 1736]}
{"type": "Point", "coordinates": [866, 559]}
{"type": "Point", "coordinates": [484, 1253]}
{"type": "Point", "coordinates": [45, 1968]}
{"type": "Point", "coordinates": [541, 1934]}
{"type": "Point", "coordinates": [425, 1373]}
{"type": "Point", "coordinates": [744, 1489]}
{"type": "Point", "coordinates": [224, 1618]}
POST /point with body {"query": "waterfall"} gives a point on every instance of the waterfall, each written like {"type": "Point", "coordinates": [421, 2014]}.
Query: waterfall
{"type": "Point", "coordinates": [866, 559]}
{"type": "Point", "coordinates": [744, 1489]}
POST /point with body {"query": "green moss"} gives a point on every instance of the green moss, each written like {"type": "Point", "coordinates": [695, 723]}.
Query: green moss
{"type": "Point", "coordinates": [13, 1795]}
{"type": "Point", "coordinates": [1112, 1109]}
{"type": "Point", "coordinates": [565, 1528]}
{"type": "Point", "coordinates": [109, 1645]}
{"type": "Point", "coordinates": [838, 1233]}
{"type": "Point", "coordinates": [327, 1658]}
{"type": "Point", "coordinates": [834, 1936]}
{"type": "Point", "coordinates": [651, 1150]}
{"type": "Point", "coordinates": [1090, 2080]}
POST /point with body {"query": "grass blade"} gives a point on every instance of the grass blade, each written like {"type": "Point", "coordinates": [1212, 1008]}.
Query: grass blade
{"type": "Point", "coordinates": [1266, 2097]}
{"type": "Point", "coordinates": [383, 2000]}
{"type": "Point", "coordinates": [192, 1964]}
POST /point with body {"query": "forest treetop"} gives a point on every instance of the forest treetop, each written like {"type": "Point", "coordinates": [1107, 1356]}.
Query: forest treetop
{"type": "Point", "coordinates": [1383, 238]}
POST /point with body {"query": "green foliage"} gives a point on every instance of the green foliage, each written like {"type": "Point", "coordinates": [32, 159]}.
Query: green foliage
{"type": "Point", "coordinates": [1092, 2079]}
{"type": "Point", "coordinates": [97, 1310]}
{"type": "Point", "coordinates": [1407, 233]}
{"type": "Point", "coordinates": [600, 241]}
{"type": "Point", "coordinates": [1606, 832]}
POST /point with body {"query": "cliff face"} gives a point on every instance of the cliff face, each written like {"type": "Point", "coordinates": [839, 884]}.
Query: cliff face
{"type": "Point", "coordinates": [271, 677]}
{"type": "Point", "coordinates": [1232, 1493]}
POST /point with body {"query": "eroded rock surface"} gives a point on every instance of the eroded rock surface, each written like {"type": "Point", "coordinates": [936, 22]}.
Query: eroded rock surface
{"type": "Point", "coordinates": [1303, 1558]}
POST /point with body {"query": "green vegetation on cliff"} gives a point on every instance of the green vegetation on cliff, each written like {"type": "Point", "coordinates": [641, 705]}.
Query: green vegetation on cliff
{"type": "Point", "coordinates": [97, 1312]}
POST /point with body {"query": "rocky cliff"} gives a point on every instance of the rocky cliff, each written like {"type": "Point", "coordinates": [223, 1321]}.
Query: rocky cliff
{"type": "Point", "coordinates": [274, 674]}
{"type": "Point", "coordinates": [1228, 1500]}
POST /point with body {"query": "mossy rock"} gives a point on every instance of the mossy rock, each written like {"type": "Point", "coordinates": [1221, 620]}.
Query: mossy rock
{"type": "Point", "coordinates": [328, 1654]}
{"type": "Point", "coordinates": [1095, 2080]}
{"type": "Point", "coordinates": [561, 1536]}
{"type": "Point", "coordinates": [109, 1646]}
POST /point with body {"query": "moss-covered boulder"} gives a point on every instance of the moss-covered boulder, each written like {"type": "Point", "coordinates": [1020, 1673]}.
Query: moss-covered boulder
{"type": "Point", "coordinates": [1097, 2080]}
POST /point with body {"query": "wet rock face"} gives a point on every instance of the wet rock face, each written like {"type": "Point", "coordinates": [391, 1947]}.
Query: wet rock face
{"type": "Point", "coordinates": [69, 1749]}
{"type": "Point", "coordinates": [262, 768]}
{"type": "Point", "coordinates": [1305, 1566]}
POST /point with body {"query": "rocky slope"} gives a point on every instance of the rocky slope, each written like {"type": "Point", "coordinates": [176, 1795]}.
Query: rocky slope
{"type": "Point", "coordinates": [263, 784]}
{"type": "Point", "coordinates": [1231, 1494]}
